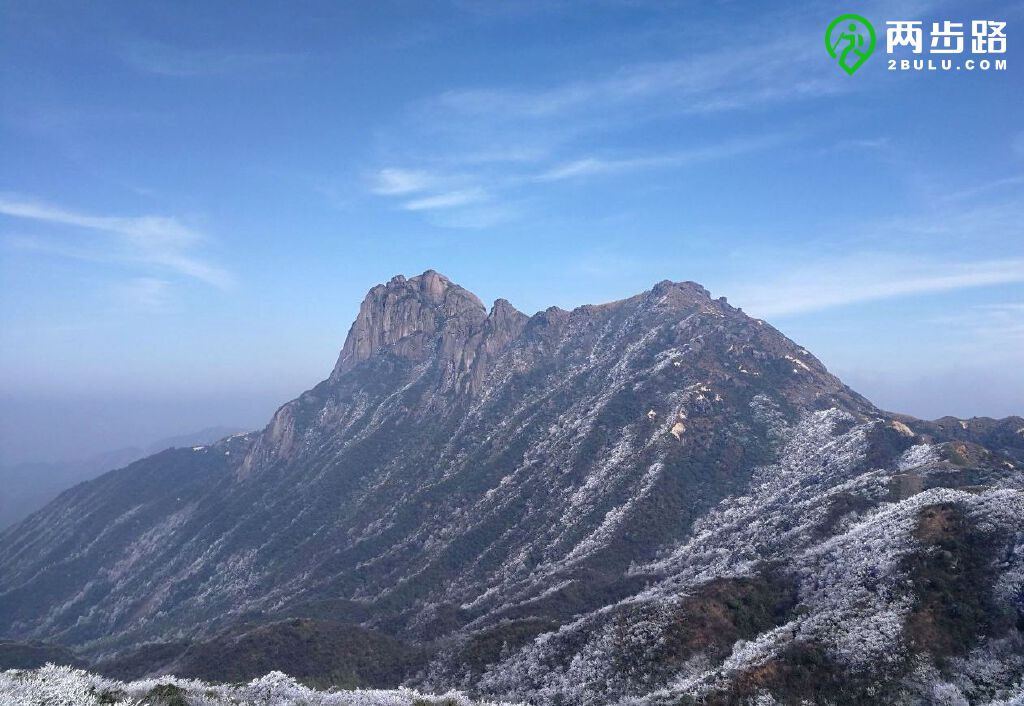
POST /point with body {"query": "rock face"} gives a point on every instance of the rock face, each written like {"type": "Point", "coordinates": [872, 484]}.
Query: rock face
{"type": "Point", "coordinates": [407, 318]}
{"type": "Point", "coordinates": [657, 498]}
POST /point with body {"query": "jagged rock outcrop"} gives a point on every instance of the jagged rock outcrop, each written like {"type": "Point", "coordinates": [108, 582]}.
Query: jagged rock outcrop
{"type": "Point", "coordinates": [408, 318]}
{"type": "Point", "coordinates": [551, 503]}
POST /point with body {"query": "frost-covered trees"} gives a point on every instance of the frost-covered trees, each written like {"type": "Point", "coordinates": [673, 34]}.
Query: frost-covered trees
{"type": "Point", "coordinates": [63, 686]}
{"type": "Point", "coordinates": [848, 566]}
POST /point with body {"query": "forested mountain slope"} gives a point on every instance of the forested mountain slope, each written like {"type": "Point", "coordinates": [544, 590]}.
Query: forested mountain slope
{"type": "Point", "coordinates": [650, 500]}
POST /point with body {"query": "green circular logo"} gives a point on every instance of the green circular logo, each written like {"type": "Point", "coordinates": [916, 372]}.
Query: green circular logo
{"type": "Point", "coordinates": [850, 39]}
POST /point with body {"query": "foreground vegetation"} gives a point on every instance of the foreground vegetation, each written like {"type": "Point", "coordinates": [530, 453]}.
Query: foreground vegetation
{"type": "Point", "coordinates": [64, 686]}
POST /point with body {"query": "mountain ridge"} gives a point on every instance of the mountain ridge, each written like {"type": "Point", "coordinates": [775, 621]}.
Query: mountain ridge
{"type": "Point", "coordinates": [30, 485]}
{"type": "Point", "coordinates": [499, 487]}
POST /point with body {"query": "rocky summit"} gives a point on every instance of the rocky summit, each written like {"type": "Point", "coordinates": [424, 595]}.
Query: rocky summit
{"type": "Point", "coordinates": [659, 500]}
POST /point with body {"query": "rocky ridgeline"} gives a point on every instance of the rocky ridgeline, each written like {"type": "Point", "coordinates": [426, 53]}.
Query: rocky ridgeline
{"type": "Point", "coordinates": [646, 501]}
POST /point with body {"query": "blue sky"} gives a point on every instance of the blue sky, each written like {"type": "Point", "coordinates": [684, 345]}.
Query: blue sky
{"type": "Point", "coordinates": [194, 197]}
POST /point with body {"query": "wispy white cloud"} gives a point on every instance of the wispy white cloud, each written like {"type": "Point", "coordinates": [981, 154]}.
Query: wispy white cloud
{"type": "Point", "coordinates": [168, 60]}
{"type": "Point", "coordinates": [846, 280]}
{"type": "Point", "coordinates": [741, 76]}
{"type": "Point", "coordinates": [449, 199]}
{"type": "Point", "coordinates": [475, 216]}
{"type": "Point", "coordinates": [584, 167]}
{"type": "Point", "coordinates": [857, 144]}
{"type": "Point", "coordinates": [432, 190]}
{"type": "Point", "coordinates": [395, 181]}
{"type": "Point", "coordinates": [156, 241]}
{"type": "Point", "coordinates": [595, 166]}
{"type": "Point", "coordinates": [463, 203]}
{"type": "Point", "coordinates": [457, 143]}
{"type": "Point", "coordinates": [144, 229]}
{"type": "Point", "coordinates": [571, 126]}
{"type": "Point", "coordinates": [514, 154]}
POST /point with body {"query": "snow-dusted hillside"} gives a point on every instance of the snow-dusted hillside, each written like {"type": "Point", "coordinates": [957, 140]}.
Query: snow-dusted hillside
{"type": "Point", "coordinates": [852, 574]}
{"type": "Point", "coordinates": [651, 501]}
{"type": "Point", "coordinates": [61, 686]}
{"type": "Point", "coordinates": [457, 462]}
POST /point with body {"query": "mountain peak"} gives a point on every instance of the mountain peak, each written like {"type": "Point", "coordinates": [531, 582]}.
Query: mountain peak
{"type": "Point", "coordinates": [406, 314]}
{"type": "Point", "coordinates": [431, 285]}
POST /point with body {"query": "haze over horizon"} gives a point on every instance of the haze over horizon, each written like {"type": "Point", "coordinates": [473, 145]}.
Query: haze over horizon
{"type": "Point", "coordinates": [194, 201]}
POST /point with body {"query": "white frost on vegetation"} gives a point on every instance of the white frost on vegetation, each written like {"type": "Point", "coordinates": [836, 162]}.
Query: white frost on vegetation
{"type": "Point", "coordinates": [917, 456]}
{"type": "Point", "coordinates": [63, 686]}
{"type": "Point", "coordinates": [853, 597]}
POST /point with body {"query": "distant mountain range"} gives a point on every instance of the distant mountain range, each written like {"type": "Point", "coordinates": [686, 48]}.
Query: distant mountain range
{"type": "Point", "coordinates": [27, 487]}
{"type": "Point", "coordinates": [659, 500]}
